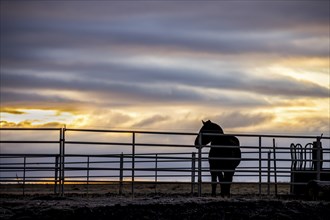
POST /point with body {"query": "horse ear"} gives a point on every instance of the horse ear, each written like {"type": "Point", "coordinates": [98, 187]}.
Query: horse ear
{"type": "Point", "coordinates": [203, 122]}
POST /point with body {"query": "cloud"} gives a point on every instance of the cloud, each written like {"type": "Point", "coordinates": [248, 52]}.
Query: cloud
{"type": "Point", "coordinates": [207, 28]}
{"type": "Point", "coordinates": [307, 124]}
{"type": "Point", "coordinates": [21, 97]}
{"type": "Point", "coordinates": [105, 118]}
{"type": "Point", "coordinates": [284, 42]}
{"type": "Point", "coordinates": [30, 124]}
{"type": "Point", "coordinates": [150, 121]}
{"type": "Point", "coordinates": [236, 119]}
{"type": "Point", "coordinates": [312, 124]}
{"type": "Point", "coordinates": [286, 86]}
{"type": "Point", "coordinates": [156, 85]}
{"type": "Point", "coordinates": [12, 111]}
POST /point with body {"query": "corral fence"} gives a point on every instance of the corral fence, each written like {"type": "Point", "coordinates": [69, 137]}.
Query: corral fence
{"type": "Point", "coordinates": [155, 158]}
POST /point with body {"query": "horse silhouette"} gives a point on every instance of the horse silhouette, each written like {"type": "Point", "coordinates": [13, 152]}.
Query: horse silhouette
{"type": "Point", "coordinates": [224, 155]}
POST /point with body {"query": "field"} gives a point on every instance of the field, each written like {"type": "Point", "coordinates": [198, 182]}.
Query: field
{"type": "Point", "coordinates": [140, 188]}
{"type": "Point", "coordinates": [164, 201]}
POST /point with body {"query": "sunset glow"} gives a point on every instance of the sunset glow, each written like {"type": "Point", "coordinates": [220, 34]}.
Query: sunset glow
{"type": "Point", "coordinates": [39, 117]}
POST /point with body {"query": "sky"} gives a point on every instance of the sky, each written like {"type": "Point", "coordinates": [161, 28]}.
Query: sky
{"type": "Point", "coordinates": [250, 66]}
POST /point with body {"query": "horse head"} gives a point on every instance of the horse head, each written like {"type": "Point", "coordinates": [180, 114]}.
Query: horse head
{"type": "Point", "coordinates": [204, 137]}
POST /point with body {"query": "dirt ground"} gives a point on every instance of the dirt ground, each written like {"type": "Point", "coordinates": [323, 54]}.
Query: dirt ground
{"type": "Point", "coordinates": [158, 207]}
{"type": "Point", "coordinates": [164, 202]}
{"type": "Point", "coordinates": [113, 188]}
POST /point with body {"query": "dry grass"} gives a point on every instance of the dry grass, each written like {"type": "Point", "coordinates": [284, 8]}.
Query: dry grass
{"type": "Point", "coordinates": [112, 188]}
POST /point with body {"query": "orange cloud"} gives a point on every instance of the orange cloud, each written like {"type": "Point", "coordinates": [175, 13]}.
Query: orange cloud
{"type": "Point", "coordinates": [30, 124]}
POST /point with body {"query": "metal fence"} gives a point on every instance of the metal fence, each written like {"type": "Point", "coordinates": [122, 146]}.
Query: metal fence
{"type": "Point", "coordinates": [267, 160]}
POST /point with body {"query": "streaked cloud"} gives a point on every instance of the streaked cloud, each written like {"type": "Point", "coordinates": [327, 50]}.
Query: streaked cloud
{"type": "Point", "coordinates": [238, 119]}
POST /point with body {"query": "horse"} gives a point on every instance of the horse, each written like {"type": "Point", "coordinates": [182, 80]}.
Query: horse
{"type": "Point", "coordinates": [224, 155]}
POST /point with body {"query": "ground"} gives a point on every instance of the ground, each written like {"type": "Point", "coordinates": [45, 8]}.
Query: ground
{"type": "Point", "coordinates": [159, 205]}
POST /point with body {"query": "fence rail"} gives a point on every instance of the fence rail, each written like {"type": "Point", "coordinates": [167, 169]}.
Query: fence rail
{"type": "Point", "coordinates": [263, 162]}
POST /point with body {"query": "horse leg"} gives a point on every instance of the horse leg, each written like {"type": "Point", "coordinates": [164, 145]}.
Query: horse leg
{"type": "Point", "coordinates": [221, 179]}
{"type": "Point", "coordinates": [214, 183]}
{"type": "Point", "coordinates": [225, 187]}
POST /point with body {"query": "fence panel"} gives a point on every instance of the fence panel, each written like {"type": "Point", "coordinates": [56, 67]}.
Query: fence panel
{"type": "Point", "coordinates": [132, 157]}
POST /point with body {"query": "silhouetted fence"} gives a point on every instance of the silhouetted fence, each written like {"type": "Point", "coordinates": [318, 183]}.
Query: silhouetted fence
{"type": "Point", "coordinates": [263, 161]}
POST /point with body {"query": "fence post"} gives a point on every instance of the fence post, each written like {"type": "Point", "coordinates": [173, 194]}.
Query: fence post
{"type": "Point", "coordinates": [24, 171]}
{"type": "Point", "coordinates": [193, 167]}
{"type": "Point", "coordinates": [268, 176]}
{"type": "Point", "coordinates": [293, 167]}
{"type": "Point", "coordinates": [319, 157]}
{"type": "Point", "coordinates": [121, 174]}
{"type": "Point", "coordinates": [275, 169]}
{"type": "Point", "coordinates": [61, 162]}
{"type": "Point", "coordinates": [62, 153]}
{"type": "Point", "coordinates": [56, 174]}
{"type": "Point", "coordinates": [133, 162]}
{"type": "Point", "coordinates": [260, 164]}
{"type": "Point", "coordinates": [63, 170]}
{"type": "Point", "coordinates": [87, 175]}
{"type": "Point", "coordinates": [200, 166]}
{"type": "Point", "coordinates": [156, 172]}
